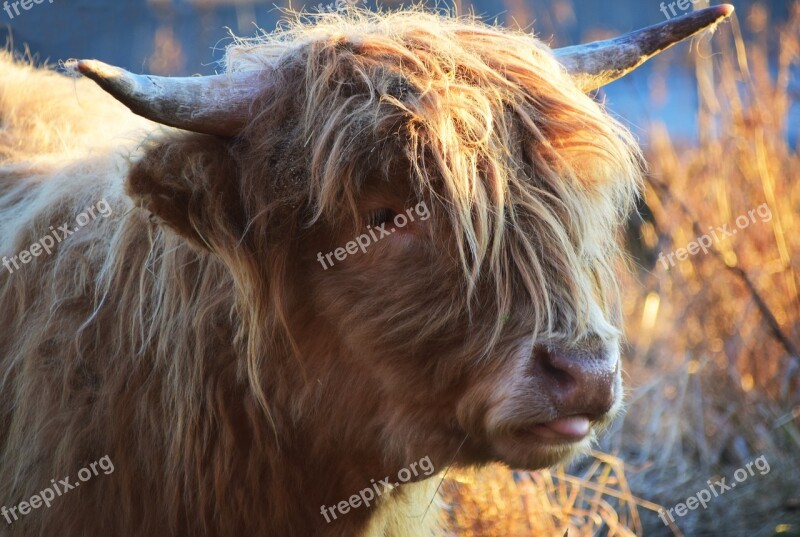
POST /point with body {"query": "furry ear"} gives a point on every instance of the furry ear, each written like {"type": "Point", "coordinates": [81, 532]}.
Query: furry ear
{"type": "Point", "coordinates": [191, 183]}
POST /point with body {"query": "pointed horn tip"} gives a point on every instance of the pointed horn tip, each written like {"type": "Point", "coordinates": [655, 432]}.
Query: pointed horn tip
{"type": "Point", "coordinates": [724, 10]}
{"type": "Point", "coordinates": [706, 18]}
{"type": "Point", "coordinates": [96, 69]}
{"type": "Point", "coordinates": [714, 13]}
{"type": "Point", "coordinates": [718, 13]}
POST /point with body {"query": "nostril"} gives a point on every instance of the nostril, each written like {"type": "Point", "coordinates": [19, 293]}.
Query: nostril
{"type": "Point", "coordinates": [553, 372]}
{"type": "Point", "coordinates": [561, 380]}
{"type": "Point", "coordinates": [579, 382]}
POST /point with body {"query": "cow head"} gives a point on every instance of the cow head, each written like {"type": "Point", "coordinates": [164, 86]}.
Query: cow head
{"type": "Point", "coordinates": [419, 214]}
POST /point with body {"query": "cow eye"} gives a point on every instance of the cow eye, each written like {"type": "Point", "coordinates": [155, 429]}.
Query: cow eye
{"type": "Point", "coordinates": [379, 217]}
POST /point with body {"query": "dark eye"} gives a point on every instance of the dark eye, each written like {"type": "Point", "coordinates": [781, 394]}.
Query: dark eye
{"type": "Point", "coordinates": [379, 217]}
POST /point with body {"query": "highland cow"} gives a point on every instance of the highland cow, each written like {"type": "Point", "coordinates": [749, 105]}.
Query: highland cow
{"type": "Point", "coordinates": [189, 337]}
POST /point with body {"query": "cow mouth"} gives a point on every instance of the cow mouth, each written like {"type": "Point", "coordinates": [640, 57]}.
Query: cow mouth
{"type": "Point", "coordinates": [567, 430]}
{"type": "Point", "coordinates": [538, 445]}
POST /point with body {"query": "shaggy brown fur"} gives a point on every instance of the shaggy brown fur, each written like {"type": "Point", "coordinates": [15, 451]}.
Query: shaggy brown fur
{"type": "Point", "coordinates": [195, 339]}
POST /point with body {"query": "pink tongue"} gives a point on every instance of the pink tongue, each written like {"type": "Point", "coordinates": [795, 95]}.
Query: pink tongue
{"type": "Point", "coordinates": [572, 426]}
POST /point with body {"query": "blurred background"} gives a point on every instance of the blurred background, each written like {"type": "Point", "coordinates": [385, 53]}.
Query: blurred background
{"type": "Point", "coordinates": [711, 359]}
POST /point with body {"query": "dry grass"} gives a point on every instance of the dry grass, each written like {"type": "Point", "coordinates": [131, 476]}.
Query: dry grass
{"type": "Point", "coordinates": [549, 502]}
{"type": "Point", "coordinates": [712, 362]}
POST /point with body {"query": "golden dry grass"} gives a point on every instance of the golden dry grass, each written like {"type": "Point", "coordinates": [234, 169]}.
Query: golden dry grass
{"type": "Point", "coordinates": [549, 502]}
{"type": "Point", "coordinates": [713, 371]}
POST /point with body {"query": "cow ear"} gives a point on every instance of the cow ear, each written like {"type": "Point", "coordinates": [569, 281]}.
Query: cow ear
{"type": "Point", "coordinates": [191, 183]}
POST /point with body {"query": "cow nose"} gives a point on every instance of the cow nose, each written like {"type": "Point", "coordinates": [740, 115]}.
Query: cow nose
{"type": "Point", "coordinates": [580, 382]}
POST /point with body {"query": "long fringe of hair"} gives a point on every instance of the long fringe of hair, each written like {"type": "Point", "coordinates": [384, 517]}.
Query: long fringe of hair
{"type": "Point", "coordinates": [532, 175]}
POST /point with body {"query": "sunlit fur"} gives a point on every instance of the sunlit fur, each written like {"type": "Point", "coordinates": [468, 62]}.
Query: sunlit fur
{"type": "Point", "coordinates": [194, 338]}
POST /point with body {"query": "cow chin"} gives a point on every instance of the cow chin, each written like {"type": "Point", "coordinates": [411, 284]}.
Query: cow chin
{"type": "Point", "coordinates": [521, 454]}
{"type": "Point", "coordinates": [526, 448]}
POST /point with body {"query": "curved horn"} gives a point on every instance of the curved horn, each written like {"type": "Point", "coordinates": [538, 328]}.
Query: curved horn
{"type": "Point", "coordinates": [596, 64]}
{"type": "Point", "coordinates": [217, 104]}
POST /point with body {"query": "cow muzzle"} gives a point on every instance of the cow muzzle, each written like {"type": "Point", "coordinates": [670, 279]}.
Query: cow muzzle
{"type": "Point", "coordinates": [550, 401]}
{"type": "Point", "coordinates": [579, 382]}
